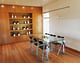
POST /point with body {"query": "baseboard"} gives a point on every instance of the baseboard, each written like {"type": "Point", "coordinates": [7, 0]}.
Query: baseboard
{"type": "Point", "coordinates": [72, 51]}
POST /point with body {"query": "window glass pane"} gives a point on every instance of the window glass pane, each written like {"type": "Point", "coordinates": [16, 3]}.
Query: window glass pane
{"type": "Point", "coordinates": [46, 19]}
{"type": "Point", "coordinates": [46, 23]}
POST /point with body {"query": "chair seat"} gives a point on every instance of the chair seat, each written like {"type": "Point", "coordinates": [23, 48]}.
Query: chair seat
{"type": "Point", "coordinates": [41, 47]}
{"type": "Point", "coordinates": [31, 41]}
{"type": "Point", "coordinates": [56, 43]}
{"type": "Point", "coordinates": [35, 44]}
{"type": "Point", "coordinates": [40, 42]}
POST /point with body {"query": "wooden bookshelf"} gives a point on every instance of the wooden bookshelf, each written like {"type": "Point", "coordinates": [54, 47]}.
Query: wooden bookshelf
{"type": "Point", "coordinates": [20, 24]}
{"type": "Point", "coordinates": [19, 30]}
{"type": "Point", "coordinates": [6, 22]}
{"type": "Point", "coordinates": [20, 18]}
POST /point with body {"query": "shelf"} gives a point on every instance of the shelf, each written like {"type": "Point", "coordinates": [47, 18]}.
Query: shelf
{"type": "Point", "coordinates": [20, 24]}
{"type": "Point", "coordinates": [20, 21]}
{"type": "Point", "coordinates": [20, 30]}
{"type": "Point", "coordinates": [22, 35]}
{"type": "Point", "coordinates": [19, 18]}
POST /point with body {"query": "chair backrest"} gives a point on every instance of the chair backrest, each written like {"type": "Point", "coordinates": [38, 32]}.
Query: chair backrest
{"type": "Point", "coordinates": [52, 35]}
{"type": "Point", "coordinates": [40, 42]}
{"type": "Point", "coordinates": [46, 33]}
{"type": "Point", "coordinates": [31, 37]}
{"type": "Point", "coordinates": [60, 37]}
{"type": "Point", "coordinates": [35, 40]}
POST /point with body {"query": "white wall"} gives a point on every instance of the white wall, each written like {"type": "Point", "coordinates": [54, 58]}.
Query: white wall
{"type": "Point", "coordinates": [45, 26]}
{"type": "Point", "coordinates": [66, 22]}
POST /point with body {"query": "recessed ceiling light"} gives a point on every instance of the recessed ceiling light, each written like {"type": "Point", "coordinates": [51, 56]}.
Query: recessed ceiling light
{"type": "Point", "coordinates": [13, 6]}
{"type": "Point", "coordinates": [2, 6]}
{"type": "Point", "coordinates": [23, 7]}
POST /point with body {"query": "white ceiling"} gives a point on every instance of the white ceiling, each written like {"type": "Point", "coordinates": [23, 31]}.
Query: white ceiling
{"type": "Point", "coordinates": [26, 2]}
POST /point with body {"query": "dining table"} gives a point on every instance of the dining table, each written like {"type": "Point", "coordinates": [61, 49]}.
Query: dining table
{"type": "Point", "coordinates": [47, 39]}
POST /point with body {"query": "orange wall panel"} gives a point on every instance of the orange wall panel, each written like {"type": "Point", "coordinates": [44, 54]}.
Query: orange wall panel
{"type": "Point", "coordinates": [5, 37]}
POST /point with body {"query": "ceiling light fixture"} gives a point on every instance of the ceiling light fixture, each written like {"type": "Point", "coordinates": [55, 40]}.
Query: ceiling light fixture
{"type": "Point", "coordinates": [2, 6]}
{"type": "Point", "coordinates": [2, 3]}
{"type": "Point", "coordinates": [23, 7]}
{"type": "Point", "coordinates": [13, 6]}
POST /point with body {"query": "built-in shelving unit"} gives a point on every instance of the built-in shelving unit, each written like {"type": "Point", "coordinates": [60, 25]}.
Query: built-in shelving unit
{"type": "Point", "coordinates": [20, 24]}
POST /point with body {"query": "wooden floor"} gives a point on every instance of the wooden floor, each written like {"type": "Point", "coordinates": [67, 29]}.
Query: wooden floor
{"type": "Point", "coordinates": [20, 53]}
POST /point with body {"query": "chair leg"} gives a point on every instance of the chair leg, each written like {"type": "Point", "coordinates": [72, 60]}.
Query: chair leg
{"type": "Point", "coordinates": [43, 53]}
{"type": "Point", "coordinates": [37, 50]}
{"type": "Point", "coordinates": [56, 48]}
{"type": "Point", "coordinates": [63, 48]}
{"type": "Point", "coordinates": [47, 52]}
{"type": "Point", "coordinates": [51, 48]}
{"type": "Point", "coordinates": [31, 46]}
{"type": "Point", "coordinates": [59, 50]}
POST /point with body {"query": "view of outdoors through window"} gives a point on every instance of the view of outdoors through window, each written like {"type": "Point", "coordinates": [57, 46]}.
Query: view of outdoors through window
{"type": "Point", "coordinates": [46, 23]}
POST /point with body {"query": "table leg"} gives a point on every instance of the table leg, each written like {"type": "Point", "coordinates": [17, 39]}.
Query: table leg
{"type": "Point", "coordinates": [37, 51]}
{"type": "Point", "coordinates": [47, 52]}
{"type": "Point", "coordinates": [43, 53]}
{"type": "Point", "coordinates": [32, 47]}
{"type": "Point", "coordinates": [63, 47]}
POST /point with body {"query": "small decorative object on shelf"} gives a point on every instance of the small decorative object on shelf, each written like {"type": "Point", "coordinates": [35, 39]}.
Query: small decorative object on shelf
{"type": "Point", "coordinates": [29, 32]}
{"type": "Point", "coordinates": [17, 22]}
{"type": "Point", "coordinates": [18, 28]}
{"type": "Point", "coordinates": [18, 34]}
{"type": "Point", "coordinates": [28, 16]}
{"type": "Point", "coordinates": [14, 28]}
{"type": "Point", "coordinates": [12, 16]}
{"type": "Point", "coordinates": [24, 16]}
{"type": "Point", "coordinates": [27, 28]}
{"type": "Point", "coordinates": [20, 24]}
{"type": "Point", "coordinates": [15, 16]}
{"type": "Point", "coordinates": [28, 21]}
{"type": "Point", "coordinates": [25, 22]}
{"type": "Point", "coordinates": [14, 34]}
{"type": "Point", "coordinates": [23, 28]}
{"type": "Point", "coordinates": [14, 22]}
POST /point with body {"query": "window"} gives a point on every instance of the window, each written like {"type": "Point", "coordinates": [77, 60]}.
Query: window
{"type": "Point", "coordinates": [46, 23]}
